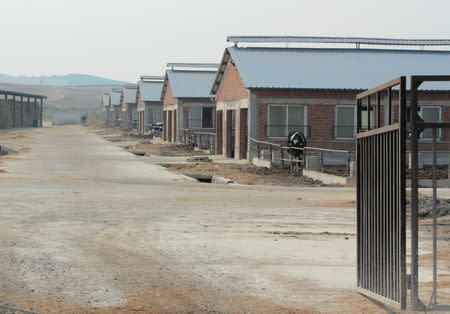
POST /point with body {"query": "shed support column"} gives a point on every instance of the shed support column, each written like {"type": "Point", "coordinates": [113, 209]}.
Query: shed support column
{"type": "Point", "coordinates": [14, 111]}
{"type": "Point", "coordinates": [36, 114]}
{"type": "Point", "coordinates": [28, 108]}
{"type": "Point", "coordinates": [21, 111]}
{"type": "Point", "coordinates": [42, 110]}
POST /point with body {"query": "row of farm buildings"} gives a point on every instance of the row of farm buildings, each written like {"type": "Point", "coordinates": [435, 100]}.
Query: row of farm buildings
{"type": "Point", "coordinates": [265, 92]}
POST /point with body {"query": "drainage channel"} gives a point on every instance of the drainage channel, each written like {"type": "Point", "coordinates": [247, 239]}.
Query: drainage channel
{"type": "Point", "coordinates": [208, 178]}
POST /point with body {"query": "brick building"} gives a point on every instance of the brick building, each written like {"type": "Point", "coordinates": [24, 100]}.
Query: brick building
{"type": "Point", "coordinates": [115, 107]}
{"type": "Point", "coordinates": [267, 92]}
{"type": "Point", "coordinates": [20, 110]}
{"type": "Point", "coordinates": [149, 103]}
{"type": "Point", "coordinates": [129, 105]}
{"type": "Point", "coordinates": [187, 100]}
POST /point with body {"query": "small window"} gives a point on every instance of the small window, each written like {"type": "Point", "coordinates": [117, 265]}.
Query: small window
{"type": "Point", "coordinates": [208, 118]}
{"type": "Point", "coordinates": [430, 114]}
{"type": "Point", "coordinates": [195, 118]}
{"type": "Point", "coordinates": [284, 119]}
{"type": "Point", "coordinates": [201, 118]}
{"type": "Point", "coordinates": [365, 122]}
{"type": "Point", "coordinates": [345, 122]}
{"type": "Point", "coordinates": [157, 115]}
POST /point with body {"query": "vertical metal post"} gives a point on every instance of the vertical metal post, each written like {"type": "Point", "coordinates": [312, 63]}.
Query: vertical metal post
{"type": "Point", "coordinates": [282, 156]}
{"type": "Point", "coordinates": [14, 110]}
{"type": "Point", "coordinates": [28, 107]}
{"type": "Point", "coordinates": [358, 116]}
{"type": "Point", "coordinates": [36, 112]}
{"type": "Point", "coordinates": [42, 109]}
{"type": "Point", "coordinates": [378, 110]}
{"type": "Point", "coordinates": [271, 155]}
{"type": "Point", "coordinates": [414, 198]}
{"type": "Point", "coordinates": [433, 301]}
{"type": "Point", "coordinates": [402, 197]}
{"type": "Point", "coordinates": [389, 106]}
{"type": "Point", "coordinates": [348, 164]}
{"type": "Point", "coordinates": [321, 159]}
{"type": "Point", "coordinates": [21, 111]}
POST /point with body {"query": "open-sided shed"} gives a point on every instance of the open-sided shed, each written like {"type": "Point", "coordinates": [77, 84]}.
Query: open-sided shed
{"type": "Point", "coordinates": [20, 110]}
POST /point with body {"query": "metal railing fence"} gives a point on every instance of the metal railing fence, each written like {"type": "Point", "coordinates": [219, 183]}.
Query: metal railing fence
{"type": "Point", "coordinates": [279, 155]}
{"type": "Point", "coordinates": [202, 140]}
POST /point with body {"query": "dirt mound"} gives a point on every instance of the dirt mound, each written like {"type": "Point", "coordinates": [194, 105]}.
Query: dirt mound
{"type": "Point", "coordinates": [247, 174]}
{"type": "Point", "coordinates": [426, 207]}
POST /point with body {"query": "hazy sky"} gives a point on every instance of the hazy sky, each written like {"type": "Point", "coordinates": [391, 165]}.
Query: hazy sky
{"type": "Point", "coordinates": [127, 38]}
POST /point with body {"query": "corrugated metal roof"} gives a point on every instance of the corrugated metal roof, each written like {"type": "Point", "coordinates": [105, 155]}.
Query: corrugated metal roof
{"type": "Point", "coordinates": [150, 91]}
{"type": "Point", "coordinates": [129, 94]}
{"type": "Point", "coordinates": [340, 40]}
{"type": "Point", "coordinates": [191, 84]}
{"type": "Point", "coordinates": [105, 100]}
{"type": "Point", "coordinates": [115, 98]}
{"type": "Point", "coordinates": [301, 68]}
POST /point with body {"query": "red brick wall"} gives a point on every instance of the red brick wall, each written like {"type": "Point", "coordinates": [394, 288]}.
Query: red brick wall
{"type": "Point", "coordinates": [286, 93]}
{"type": "Point", "coordinates": [186, 117]}
{"type": "Point", "coordinates": [242, 132]}
{"type": "Point", "coordinates": [219, 121]}
{"type": "Point", "coordinates": [140, 102]}
{"type": "Point", "coordinates": [262, 122]}
{"type": "Point", "coordinates": [165, 125]}
{"type": "Point", "coordinates": [321, 121]}
{"type": "Point", "coordinates": [232, 86]}
{"type": "Point", "coordinates": [169, 125]}
{"type": "Point", "coordinates": [169, 99]}
{"type": "Point", "coordinates": [174, 125]}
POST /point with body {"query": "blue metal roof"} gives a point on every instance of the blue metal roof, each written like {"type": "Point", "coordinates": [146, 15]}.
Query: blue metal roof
{"type": "Point", "coordinates": [129, 93]}
{"type": "Point", "coordinates": [115, 98]}
{"type": "Point", "coordinates": [191, 84]}
{"type": "Point", "coordinates": [105, 100]}
{"type": "Point", "coordinates": [150, 91]}
{"type": "Point", "coordinates": [307, 68]}
{"type": "Point", "coordinates": [339, 40]}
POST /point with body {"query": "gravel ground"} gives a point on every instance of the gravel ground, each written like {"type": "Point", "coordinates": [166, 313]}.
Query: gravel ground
{"type": "Point", "coordinates": [87, 227]}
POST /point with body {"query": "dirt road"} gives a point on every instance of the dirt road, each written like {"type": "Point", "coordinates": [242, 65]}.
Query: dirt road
{"type": "Point", "coordinates": [86, 227]}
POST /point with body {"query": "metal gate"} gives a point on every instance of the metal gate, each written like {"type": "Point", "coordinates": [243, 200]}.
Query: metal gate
{"type": "Point", "coordinates": [381, 194]}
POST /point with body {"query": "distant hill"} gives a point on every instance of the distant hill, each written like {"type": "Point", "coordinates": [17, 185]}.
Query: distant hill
{"type": "Point", "coordinates": [60, 80]}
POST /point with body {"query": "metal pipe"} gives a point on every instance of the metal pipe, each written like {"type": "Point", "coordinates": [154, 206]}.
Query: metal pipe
{"type": "Point", "coordinates": [433, 301]}
{"type": "Point", "coordinates": [414, 199]}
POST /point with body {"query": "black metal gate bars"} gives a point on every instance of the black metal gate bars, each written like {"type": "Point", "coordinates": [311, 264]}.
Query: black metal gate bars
{"type": "Point", "coordinates": [381, 192]}
{"type": "Point", "coordinates": [381, 195]}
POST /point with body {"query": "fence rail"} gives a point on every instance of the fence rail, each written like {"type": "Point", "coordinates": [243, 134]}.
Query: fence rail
{"type": "Point", "coordinates": [279, 155]}
{"type": "Point", "coordinates": [281, 130]}
{"type": "Point", "coordinates": [202, 140]}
